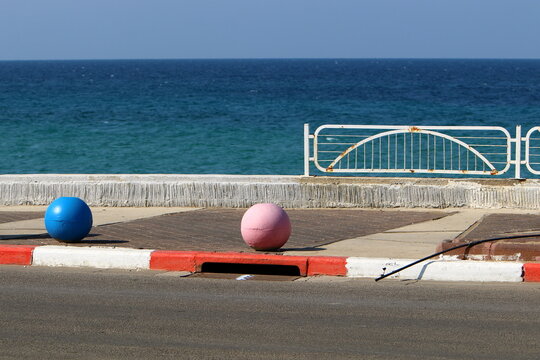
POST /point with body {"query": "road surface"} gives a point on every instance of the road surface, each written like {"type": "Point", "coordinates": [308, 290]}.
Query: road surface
{"type": "Point", "coordinates": [79, 313]}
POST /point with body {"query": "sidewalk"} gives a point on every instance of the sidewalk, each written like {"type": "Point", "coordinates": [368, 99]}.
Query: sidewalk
{"type": "Point", "coordinates": [381, 238]}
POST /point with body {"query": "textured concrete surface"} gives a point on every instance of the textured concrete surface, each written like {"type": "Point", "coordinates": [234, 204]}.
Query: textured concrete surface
{"type": "Point", "coordinates": [28, 220]}
{"type": "Point", "coordinates": [388, 233]}
{"type": "Point", "coordinates": [289, 191]}
{"type": "Point", "coordinates": [519, 236]}
{"type": "Point", "coordinates": [408, 241]}
{"type": "Point", "coordinates": [219, 229]}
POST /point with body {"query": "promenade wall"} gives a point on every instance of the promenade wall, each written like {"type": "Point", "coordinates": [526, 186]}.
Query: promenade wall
{"type": "Point", "coordinates": [288, 191]}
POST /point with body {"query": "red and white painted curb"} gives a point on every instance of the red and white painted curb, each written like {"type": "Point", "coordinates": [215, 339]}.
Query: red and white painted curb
{"type": "Point", "coordinates": [192, 261]}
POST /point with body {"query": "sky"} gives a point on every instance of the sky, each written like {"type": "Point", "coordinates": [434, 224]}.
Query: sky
{"type": "Point", "coordinates": [163, 29]}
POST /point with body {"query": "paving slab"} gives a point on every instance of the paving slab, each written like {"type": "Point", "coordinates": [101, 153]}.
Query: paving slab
{"type": "Point", "coordinates": [9, 217]}
{"type": "Point", "coordinates": [28, 221]}
{"type": "Point", "coordinates": [411, 241]}
{"type": "Point", "coordinates": [219, 229]}
{"type": "Point", "coordinates": [388, 233]}
{"type": "Point", "coordinates": [518, 234]}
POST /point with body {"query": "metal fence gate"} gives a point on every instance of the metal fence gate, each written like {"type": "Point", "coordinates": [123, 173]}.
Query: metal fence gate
{"type": "Point", "coordinates": [446, 150]}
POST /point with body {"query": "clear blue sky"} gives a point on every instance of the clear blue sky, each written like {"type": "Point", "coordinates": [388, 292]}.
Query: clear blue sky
{"type": "Point", "coordinates": [123, 29]}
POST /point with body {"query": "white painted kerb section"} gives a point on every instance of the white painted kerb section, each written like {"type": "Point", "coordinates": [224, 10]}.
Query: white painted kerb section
{"type": "Point", "coordinates": [96, 257]}
{"type": "Point", "coordinates": [440, 270]}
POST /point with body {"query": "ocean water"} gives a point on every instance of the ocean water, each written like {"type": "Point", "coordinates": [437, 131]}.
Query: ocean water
{"type": "Point", "coordinates": [236, 116]}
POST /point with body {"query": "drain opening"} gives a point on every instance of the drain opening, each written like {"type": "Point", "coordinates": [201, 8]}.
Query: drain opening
{"type": "Point", "coordinates": [253, 269]}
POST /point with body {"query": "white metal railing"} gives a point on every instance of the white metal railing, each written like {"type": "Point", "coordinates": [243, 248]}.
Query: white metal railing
{"type": "Point", "coordinates": [532, 150]}
{"type": "Point", "coordinates": [471, 150]}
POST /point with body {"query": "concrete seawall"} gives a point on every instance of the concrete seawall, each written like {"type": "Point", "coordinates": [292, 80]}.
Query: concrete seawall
{"type": "Point", "coordinates": [288, 191]}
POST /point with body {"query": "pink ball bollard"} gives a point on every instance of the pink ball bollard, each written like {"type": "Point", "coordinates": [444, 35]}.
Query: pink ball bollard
{"type": "Point", "coordinates": [265, 227]}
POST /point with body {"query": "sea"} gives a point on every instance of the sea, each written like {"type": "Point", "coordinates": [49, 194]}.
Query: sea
{"type": "Point", "coordinates": [236, 116]}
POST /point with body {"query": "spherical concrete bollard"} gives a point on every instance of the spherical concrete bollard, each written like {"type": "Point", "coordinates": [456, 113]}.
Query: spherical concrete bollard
{"type": "Point", "coordinates": [68, 219]}
{"type": "Point", "coordinates": [265, 227]}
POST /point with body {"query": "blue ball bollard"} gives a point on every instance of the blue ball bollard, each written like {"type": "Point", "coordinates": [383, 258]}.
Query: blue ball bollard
{"type": "Point", "coordinates": [68, 219]}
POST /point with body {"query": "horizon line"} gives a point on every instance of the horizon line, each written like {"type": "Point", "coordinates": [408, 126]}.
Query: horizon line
{"type": "Point", "coordinates": [275, 58]}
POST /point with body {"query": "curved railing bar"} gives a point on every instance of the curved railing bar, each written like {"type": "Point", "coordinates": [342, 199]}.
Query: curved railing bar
{"type": "Point", "coordinates": [405, 130]}
{"type": "Point", "coordinates": [527, 149]}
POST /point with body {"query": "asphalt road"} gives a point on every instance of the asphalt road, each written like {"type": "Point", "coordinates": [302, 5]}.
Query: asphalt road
{"type": "Point", "coordinates": [76, 313]}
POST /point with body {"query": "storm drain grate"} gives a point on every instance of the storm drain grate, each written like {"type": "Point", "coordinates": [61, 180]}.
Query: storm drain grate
{"type": "Point", "coordinates": [253, 269]}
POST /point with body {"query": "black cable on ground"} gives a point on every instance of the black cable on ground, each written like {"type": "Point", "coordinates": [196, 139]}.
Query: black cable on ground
{"type": "Point", "coordinates": [472, 243]}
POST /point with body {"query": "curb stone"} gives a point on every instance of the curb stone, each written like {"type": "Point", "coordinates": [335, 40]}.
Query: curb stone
{"type": "Point", "coordinates": [192, 261]}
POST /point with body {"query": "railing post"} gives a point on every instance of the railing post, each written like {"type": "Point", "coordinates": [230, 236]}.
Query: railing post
{"type": "Point", "coordinates": [517, 160]}
{"type": "Point", "coordinates": [306, 149]}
